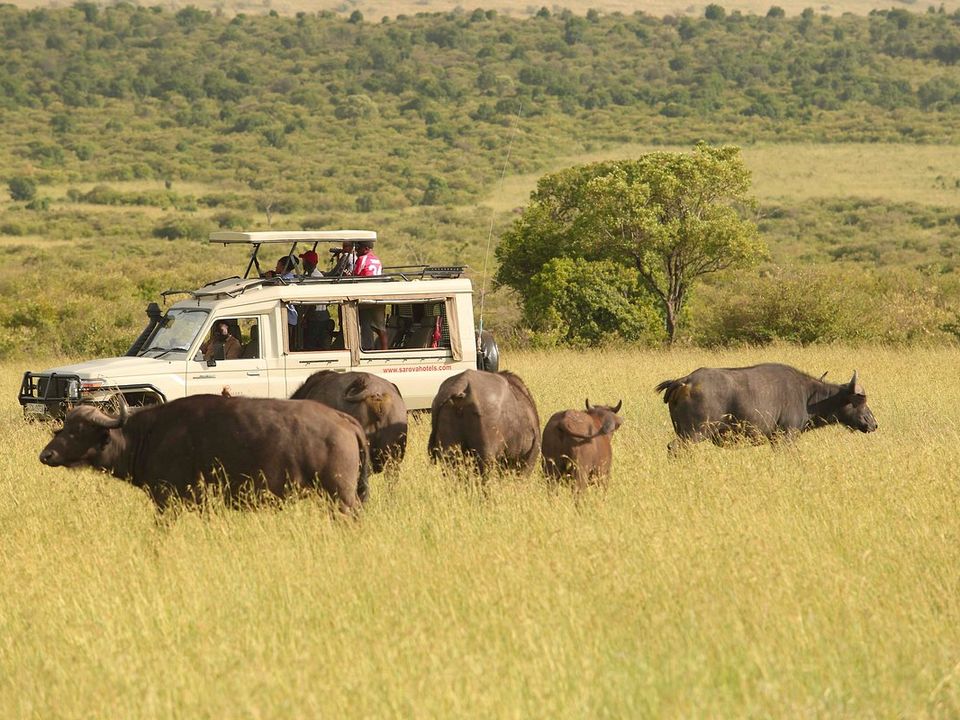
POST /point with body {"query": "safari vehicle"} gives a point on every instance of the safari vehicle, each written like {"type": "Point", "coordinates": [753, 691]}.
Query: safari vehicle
{"type": "Point", "coordinates": [412, 325]}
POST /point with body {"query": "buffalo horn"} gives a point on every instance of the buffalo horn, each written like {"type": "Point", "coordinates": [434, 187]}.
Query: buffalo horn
{"type": "Point", "coordinates": [855, 385]}
{"type": "Point", "coordinates": [618, 406]}
{"type": "Point", "coordinates": [588, 405]}
{"type": "Point", "coordinates": [823, 376]}
{"type": "Point", "coordinates": [101, 419]}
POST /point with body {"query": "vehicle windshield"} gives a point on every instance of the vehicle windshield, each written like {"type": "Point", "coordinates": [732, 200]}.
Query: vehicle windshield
{"type": "Point", "coordinates": [175, 332]}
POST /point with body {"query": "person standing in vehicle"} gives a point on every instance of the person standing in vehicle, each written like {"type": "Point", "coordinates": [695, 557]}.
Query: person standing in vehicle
{"type": "Point", "coordinates": [286, 267]}
{"type": "Point", "coordinates": [310, 261]}
{"type": "Point", "coordinates": [367, 263]}
{"type": "Point", "coordinates": [346, 258]}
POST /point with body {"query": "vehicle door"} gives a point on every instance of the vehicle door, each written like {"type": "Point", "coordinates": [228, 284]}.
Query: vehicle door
{"type": "Point", "coordinates": [236, 363]}
{"type": "Point", "coordinates": [412, 342]}
{"type": "Point", "coordinates": [317, 338]}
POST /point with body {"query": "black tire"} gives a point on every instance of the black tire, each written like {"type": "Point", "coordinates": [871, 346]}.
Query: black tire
{"type": "Point", "coordinates": [488, 354]}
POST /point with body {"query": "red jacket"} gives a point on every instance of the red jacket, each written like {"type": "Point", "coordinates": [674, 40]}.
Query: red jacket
{"type": "Point", "coordinates": [367, 264]}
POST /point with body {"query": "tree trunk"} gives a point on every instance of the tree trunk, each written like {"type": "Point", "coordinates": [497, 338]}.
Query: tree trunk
{"type": "Point", "coordinates": [671, 320]}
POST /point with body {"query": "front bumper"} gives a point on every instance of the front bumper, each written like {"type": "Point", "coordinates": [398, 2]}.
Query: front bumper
{"type": "Point", "coordinates": [49, 396]}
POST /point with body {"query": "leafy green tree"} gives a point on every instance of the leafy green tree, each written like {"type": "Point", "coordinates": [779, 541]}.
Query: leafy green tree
{"type": "Point", "coordinates": [22, 189]}
{"type": "Point", "coordinates": [671, 217]}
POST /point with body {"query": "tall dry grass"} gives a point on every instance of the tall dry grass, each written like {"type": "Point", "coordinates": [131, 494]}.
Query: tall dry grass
{"type": "Point", "coordinates": [820, 579]}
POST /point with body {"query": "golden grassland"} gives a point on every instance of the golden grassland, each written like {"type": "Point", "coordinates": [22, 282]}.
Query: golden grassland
{"type": "Point", "coordinates": [819, 579]}
{"type": "Point", "coordinates": [925, 174]}
{"type": "Point", "coordinates": [376, 9]}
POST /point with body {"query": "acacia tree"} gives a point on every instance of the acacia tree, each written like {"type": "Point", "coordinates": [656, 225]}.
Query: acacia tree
{"type": "Point", "coordinates": [674, 217]}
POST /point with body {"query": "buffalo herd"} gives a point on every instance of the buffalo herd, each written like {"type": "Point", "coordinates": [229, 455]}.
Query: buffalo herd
{"type": "Point", "coordinates": [337, 427]}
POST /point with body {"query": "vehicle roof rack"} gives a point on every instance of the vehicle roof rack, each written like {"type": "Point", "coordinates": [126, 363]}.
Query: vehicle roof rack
{"type": "Point", "coordinates": [293, 237]}
{"type": "Point", "coordinates": [230, 237]}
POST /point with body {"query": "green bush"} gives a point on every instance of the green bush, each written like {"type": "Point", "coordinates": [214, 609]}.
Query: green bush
{"type": "Point", "coordinates": [578, 302]}
{"type": "Point", "coordinates": [824, 304]}
{"type": "Point", "coordinates": [22, 189]}
{"type": "Point", "coordinates": [176, 228]}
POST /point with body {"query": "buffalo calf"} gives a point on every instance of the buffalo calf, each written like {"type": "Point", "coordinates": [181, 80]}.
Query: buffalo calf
{"type": "Point", "coordinates": [234, 443]}
{"type": "Point", "coordinates": [576, 443]}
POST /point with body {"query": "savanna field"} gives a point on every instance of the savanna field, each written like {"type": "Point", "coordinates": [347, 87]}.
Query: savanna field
{"type": "Point", "coordinates": [817, 579]}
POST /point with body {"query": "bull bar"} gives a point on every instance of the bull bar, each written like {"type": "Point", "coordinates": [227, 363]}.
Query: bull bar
{"type": "Point", "coordinates": [50, 395]}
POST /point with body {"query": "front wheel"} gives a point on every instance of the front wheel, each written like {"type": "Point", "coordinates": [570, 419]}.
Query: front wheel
{"type": "Point", "coordinates": [488, 354]}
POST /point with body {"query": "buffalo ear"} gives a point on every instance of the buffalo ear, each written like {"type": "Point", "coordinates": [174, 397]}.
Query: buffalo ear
{"type": "Point", "coordinates": [609, 424]}
{"type": "Point", "coordinates": [617, 407]}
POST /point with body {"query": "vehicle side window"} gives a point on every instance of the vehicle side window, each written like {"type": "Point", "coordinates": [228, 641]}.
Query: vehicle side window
{"type": "Point", "coordinates": [403, 326]}
{"type": "Point", "coordinates": [233, 338]}
{"type": "Point", "coordinates": [319, 327]}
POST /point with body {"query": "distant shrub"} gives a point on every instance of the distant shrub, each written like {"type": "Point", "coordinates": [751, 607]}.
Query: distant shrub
{"type": "Point", "coordinates": [39, 204]}
{"type": "Point", "coordinates": [820, 305]}
{"type": "Point", "coordinates": [355, 107]}
{"type": "Point", "coordinates": [437, 192]}
{"type": "Point", "coordinates": [10, 228]}
{"type": "Point", "coordinates": [176, 228]}
{"type": "Point", "coordinates": [22, 188]}
{"type": "Point", "coordinates": [714, 12]}
{"type": "Point", "coordinates": [231, 220]}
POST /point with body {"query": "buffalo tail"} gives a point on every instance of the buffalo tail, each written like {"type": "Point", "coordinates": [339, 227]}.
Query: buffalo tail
{"type": "Point", "coordinates": [669, 387]}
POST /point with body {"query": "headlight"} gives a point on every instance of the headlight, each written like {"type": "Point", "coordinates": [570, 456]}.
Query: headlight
{"type": "Point", "coordinates": [73, 390]}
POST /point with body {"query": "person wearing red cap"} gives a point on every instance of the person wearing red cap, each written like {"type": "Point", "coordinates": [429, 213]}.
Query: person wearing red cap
{"type": "Point", "coordinates": [310, 262]}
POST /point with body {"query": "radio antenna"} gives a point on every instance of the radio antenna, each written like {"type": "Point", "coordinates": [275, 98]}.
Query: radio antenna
{"type": "Point", "coordinates": [503, 172]}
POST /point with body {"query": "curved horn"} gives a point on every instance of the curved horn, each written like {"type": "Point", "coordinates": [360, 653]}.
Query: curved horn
{"type": "Point", "coordinates": [855, 387]}
{"type": "Point", "coordinates": [101, 419]}
{"type": "Point", "coordinates": [823, 376]}
{"type": "Point", "coordinates": [588, 404]}
{"type": "Point", "coordinates": [617, 407]}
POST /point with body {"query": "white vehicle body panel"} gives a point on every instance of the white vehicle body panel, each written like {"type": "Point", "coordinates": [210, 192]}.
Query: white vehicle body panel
{"type": "Point", "coordinates": [278, 370]}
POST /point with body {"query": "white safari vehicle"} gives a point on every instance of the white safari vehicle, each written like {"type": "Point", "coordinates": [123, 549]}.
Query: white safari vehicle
{"type": "Point", "coordinates": [411, 325]}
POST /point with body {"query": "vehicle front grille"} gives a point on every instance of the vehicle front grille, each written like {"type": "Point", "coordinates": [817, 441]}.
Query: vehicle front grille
{"type": "Point", "coordinates": [45, 387]}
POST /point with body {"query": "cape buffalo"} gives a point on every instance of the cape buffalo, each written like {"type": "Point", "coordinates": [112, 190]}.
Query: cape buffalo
{"type": "Point", "coordinates": [760, 402]}
{"type": "Point", "coordinates": [576, 444]}
{"type": "Point", "coordinates": [235, 443]}
{"type": "Point", "coordinates": [488, 416]}
{"type": "Point", "coordinates": [374, 402]}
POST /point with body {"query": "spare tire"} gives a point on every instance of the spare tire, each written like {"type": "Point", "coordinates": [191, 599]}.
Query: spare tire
{"type": "Point", "coordinates": [488, 354]}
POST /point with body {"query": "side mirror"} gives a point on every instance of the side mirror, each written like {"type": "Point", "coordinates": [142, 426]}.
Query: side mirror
{"type": "Point", "coordinates": [212, 362]}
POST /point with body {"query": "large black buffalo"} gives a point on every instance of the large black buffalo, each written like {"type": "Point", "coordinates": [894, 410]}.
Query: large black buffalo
{"type": "Point", "coordinates": [372, 401]}
{"type": "Point", "coordinates": [490, 417]}
{"type": "Point", "coordinates": [760, 402]}
{"type": "Point", "coordinates": [234, 443]}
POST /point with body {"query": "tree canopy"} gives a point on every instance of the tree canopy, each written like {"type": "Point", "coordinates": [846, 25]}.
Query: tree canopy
{"type": "Point", "coordinates": [671, 218]}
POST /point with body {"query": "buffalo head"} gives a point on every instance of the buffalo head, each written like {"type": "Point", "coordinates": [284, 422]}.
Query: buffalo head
{"type": "Point", "coordinates": [609, 420]}
{"type": "Point", "coordinates": [84, 435]}
{"type": "Point", "coordinates": [852, 409]}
